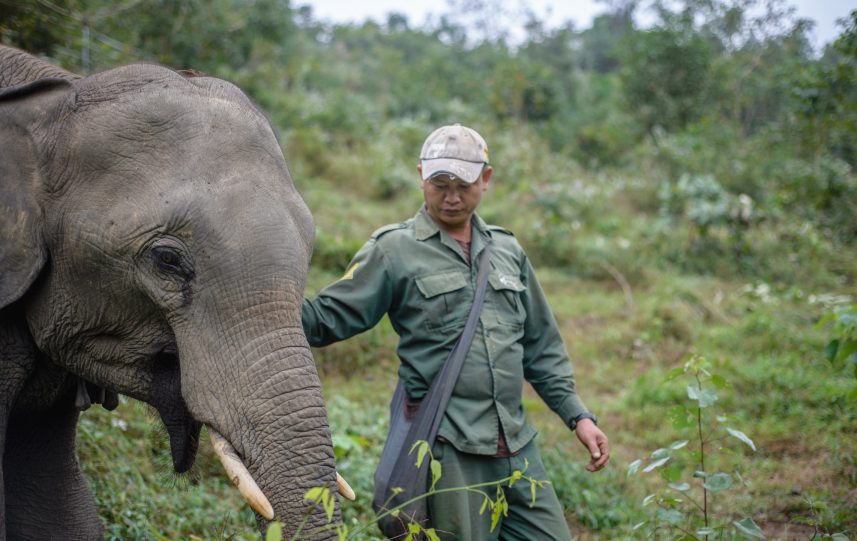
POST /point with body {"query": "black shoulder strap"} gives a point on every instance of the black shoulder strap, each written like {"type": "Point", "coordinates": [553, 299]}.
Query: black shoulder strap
{"type": "Point", "coordinates": [396, 468]}
{"type": "Point", "coordinates": [433, 405]}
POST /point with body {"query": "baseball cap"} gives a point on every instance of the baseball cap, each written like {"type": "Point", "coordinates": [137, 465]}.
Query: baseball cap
{"type": "Point", "coordinates": [454, 150]}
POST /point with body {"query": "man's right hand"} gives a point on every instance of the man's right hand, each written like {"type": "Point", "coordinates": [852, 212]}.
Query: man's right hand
{"type": "Point", "coordinates": [595, 441]}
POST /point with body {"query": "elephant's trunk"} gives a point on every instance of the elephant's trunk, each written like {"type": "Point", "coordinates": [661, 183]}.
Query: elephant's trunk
{"type": "Point", "coordinates": [244, 482]}
{"type": "Point", "coordinates": [259, 388]}
{"type": "Point", "coordinates": [291, 451]}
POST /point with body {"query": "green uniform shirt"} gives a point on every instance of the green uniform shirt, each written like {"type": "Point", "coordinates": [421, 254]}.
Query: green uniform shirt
{"type": "Point", "coordinates": [419, 275]}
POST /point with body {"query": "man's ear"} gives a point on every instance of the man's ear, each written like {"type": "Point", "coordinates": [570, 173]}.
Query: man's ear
{"type": "Point", "coordinates": [24, 109]}
{"type": "Point", "coordinates": [420, 172]}
{"type": "Point", "coordinates": [486, 176]}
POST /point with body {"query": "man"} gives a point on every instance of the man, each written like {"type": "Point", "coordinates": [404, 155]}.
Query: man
{"type": "Point", "coordinates": [422, 273]}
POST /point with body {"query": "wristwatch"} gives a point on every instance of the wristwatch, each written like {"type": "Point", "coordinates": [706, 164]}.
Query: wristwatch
{"type": "Point", "coordinates": [573, 424]}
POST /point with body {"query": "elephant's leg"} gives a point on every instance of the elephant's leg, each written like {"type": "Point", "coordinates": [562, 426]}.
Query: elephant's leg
{"type": "Point", "coordinates": [17, 363]}
{"type": "Point", "coordinates": [46, 493]}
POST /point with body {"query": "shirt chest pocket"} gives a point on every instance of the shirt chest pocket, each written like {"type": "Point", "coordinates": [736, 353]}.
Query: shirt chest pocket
{"type": "Point", "coordinates": [506, 292]}
{"type": "Point", "coordinates": [445, 299]}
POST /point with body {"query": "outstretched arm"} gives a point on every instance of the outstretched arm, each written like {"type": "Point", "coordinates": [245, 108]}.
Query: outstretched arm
{"type": "Point", "coordinates": [354, 303]}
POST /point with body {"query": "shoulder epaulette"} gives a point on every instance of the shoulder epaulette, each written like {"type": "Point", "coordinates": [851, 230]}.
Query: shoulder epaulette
{"type": "Point", "coordinates": [500, 229]}
{"type": "Point", "coordinates": [387, 228]}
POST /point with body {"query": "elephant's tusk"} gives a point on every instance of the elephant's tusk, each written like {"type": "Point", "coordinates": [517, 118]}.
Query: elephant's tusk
{"type": "Point", "coordinates": [344, 488]}
{"type": "Point", "coordinates": [240, 476]}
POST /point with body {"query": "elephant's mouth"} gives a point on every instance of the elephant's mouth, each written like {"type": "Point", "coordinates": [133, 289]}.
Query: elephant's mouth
{"type": "Point", "coordinates": [182, 428]}
{"type": "Point", "coordinates": [184, 433]}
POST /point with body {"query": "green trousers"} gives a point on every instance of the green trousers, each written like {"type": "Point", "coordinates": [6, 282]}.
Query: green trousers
{"type": "Point", "coordinates": [455, 515]}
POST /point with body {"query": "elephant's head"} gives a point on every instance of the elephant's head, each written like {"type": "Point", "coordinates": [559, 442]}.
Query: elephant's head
{"type": "Point", "coordinates": [155, 242]}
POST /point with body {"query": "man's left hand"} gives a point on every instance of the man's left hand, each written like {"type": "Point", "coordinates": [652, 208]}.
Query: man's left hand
{"type": "Point", "coordinates": [593, 439]}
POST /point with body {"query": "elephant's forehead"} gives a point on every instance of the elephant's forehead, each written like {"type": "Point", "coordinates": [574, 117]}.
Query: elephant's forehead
{"type": "Point", "coordinates": [168, 140]}
{"type": "Point", "coordinates": [166, 123]}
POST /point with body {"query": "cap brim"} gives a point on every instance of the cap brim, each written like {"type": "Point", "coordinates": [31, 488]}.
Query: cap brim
{"type": "Point", "coordinates": [467, 171]}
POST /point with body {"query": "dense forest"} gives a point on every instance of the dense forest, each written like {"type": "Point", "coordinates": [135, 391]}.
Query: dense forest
{"type": "Point", "coordinates": [686, 189]}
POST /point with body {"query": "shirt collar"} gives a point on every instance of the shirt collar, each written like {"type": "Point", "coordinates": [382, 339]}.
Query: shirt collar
{"type": "Point", "coordinates": [425, 227]}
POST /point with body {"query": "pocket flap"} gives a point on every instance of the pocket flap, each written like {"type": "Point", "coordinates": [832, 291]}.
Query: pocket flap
{"type": "Point", "coordinates": [443, 282]}
{"type": "Point", "coordinates": [501, 280]}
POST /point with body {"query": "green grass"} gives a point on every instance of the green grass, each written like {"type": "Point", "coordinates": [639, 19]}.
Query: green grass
{"type": "Point", "coordinates": [756, 325]}
{"type": "Point", "coordinates": [783, 395]}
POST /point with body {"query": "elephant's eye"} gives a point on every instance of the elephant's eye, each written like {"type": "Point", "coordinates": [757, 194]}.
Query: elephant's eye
{"type": "Point", "coordinates": [168, 259]}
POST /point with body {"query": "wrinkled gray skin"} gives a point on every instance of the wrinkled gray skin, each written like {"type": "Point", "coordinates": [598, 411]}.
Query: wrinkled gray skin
{"type": "Point", "coordinates": [152, 243]}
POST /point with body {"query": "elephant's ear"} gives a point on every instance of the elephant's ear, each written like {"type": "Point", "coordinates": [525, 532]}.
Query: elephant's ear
{"type": "Point", "coordinates": [24, 111]}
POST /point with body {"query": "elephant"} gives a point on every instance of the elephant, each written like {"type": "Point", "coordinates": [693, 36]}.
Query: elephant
{"type": "Point", "coordinates": [152, 244]}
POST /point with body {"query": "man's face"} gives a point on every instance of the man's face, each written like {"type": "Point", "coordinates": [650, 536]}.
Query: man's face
{"type": "Point", "coordinates": [451, 201]}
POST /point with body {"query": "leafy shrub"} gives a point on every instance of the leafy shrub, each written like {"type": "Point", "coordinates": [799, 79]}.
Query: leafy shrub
{"type": "Point", "coordinates": [679, 512]}
{"type": "Point", "coordinates": [703, 202]}
{"type": "Point", "coordinates": [842, 350]}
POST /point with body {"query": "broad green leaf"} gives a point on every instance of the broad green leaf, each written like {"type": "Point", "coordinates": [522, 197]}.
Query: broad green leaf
{"type": "Point", "coordinates": [634, 466]}
{"type": "Point", "coordinates": [820, 505]}
{"type": "Point", "coordinates": [749, 528]}
{"type": "Point", "coordinates": [670, 516]}
{"type": "Point", "coordinates": [679, 444]}
{"type": "Point", "coordinates": [314, 494]}
{"type": "Point", "coordinates": [832, 350]}
{"type": "Point", "coordinates": [846, 349]}
{"type": "Point", "coordinates": [275, 532]}
{"type": "Point", "coordinates": [704, 397]}
{"type": "Point", "coordinates": [679, 417]}
{"type": "Point", "coordinates": [743, 437]}
{"type": "Point", "coordinates": [413, 528]}
{"type": "Point", "coordinates": [656, 464]}
{"type": "Point", "coordinates": [681, 487]}
{"type": "Point", "coordinates": [431, 535]}
{"type": "Point", "coordinates": [422, 449]}
{"type": "Point", "coordinates": [717, 482]}
{"type": "Point", "coordinates": [719, 382]}
{"type": "Point", "coordinates": [674, 373]}
{"type": "Point", "coordinates": [670, 501]}
{"type": "Point", "coordinates": [436, 472]}
{"type": "Point", "coordinates": [671, 473]}
{"type": "Point", "coordinates": [660, 453]}
{"type": "Point", "coordinates": [329, 504]}
{"type": "Point", "coordinates": [496, 513]}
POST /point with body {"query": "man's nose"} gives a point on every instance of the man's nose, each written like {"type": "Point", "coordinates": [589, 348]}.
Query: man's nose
{"type": "Point", "coordinates": [452, 194]}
